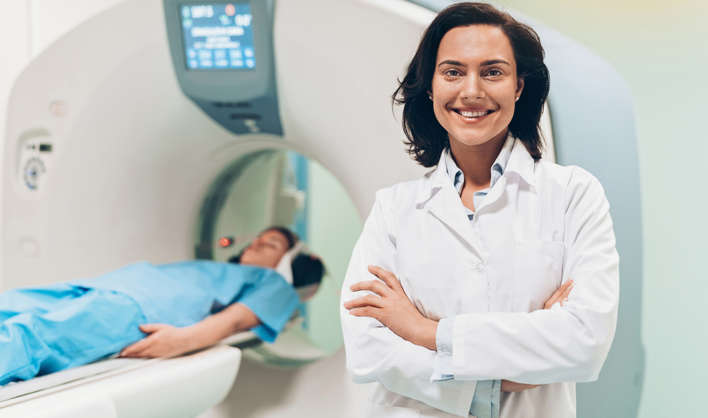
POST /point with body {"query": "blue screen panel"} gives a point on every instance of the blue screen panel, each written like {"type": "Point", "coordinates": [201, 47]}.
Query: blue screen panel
{"type": "Point", "coordinates": [218, 36]}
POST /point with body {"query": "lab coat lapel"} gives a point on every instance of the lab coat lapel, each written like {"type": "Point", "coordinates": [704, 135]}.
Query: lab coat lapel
{"type": "Point", "coordinates": [443, 203]}
{"type": "Point", "coordinates": [497, 191]}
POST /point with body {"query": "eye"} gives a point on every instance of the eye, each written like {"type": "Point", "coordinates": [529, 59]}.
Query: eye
{"type": "Point", "coordinates": [494, 72]}
{"type": "Point", "coordinates": [452, 73]}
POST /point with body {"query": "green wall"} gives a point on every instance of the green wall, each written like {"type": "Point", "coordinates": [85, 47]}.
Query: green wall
{"type": "Point", "coordinates": [660, 49]}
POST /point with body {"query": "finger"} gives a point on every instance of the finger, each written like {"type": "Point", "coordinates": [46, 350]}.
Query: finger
{"type": "Point", "coordinates": [568, 288]}
{"type": "Point", "coordinates": [557, 295]}
{"type": "Point", "coordinates": [139, 354]}
{"type": "Point", "coordinates": [148, 353]}
{"type": "Point", "coordinates": [365, 311]}
{"type": "Point", "coordinates": [130, 352]}
{"type": "Point", "coordinates": [373, 286]}
{"type": "Point", "coordinates": [133, 354]}
{"type": "Point", "coordinates": [566, 293]}
{"type": "Point", "coordinates": [562, 288]}
{"type": "Point", "coordinates": [563, 291]}
{"type": "Point", "coordinates": [386, 276]}
{"type": "Point", "coordinates": [150, 328]}
{"type": "Point", "coordinates": [553, 299]}
{"type": "Point", "coordinates": [140, 346]}
{"type": "Point", "coordinates": [134, 348]}
{"type": "Point", "coordinates": [368, 300]}
{"type": "Point", "coordinates": [142, 352]}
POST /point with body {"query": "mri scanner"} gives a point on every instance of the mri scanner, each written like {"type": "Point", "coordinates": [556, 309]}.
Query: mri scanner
{"type": "Point", "coordinates": [158, 126]}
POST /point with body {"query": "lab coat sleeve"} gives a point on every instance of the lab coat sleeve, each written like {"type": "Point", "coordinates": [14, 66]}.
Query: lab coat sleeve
{"type": "Point", "coordinates": [565, 343]}
{"type": "Point", "coordinates": [487, 394]}
{"type": "Point", "coordinates": [442, 370]}
{"type": "Point", "coordinates": [376, 354]}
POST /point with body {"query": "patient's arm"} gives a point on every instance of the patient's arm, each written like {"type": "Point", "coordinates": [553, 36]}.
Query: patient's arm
{"type": "Point", "coordinates": [168, 341]}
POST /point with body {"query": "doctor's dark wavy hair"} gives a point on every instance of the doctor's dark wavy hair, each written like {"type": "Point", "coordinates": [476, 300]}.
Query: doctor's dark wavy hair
{"type": "Point", "coordinates": [426, 137]}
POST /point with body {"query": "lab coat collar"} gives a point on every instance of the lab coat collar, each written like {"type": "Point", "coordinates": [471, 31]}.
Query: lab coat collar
{"type": "Point", "coordinates": [521, 163]}
{"type": "Point", "coordinates": [442, 200]}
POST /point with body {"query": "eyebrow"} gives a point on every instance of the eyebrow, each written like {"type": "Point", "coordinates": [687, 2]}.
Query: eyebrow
{"type": "Point", "coordinates": [485, 63]}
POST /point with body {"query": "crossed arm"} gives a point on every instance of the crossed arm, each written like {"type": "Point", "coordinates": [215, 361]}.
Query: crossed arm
{"type": "Point", "coordinates": [389, 305]}
{"type": "Point", "coordinates": [169, 341]}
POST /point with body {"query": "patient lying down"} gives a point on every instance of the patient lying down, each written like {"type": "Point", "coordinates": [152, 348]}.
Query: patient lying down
{"type": "Point", "coordinates": [146, 310]}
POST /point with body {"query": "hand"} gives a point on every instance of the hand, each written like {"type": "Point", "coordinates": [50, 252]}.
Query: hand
{"type": "Point", "coordinates": [163, 341]}
{"type": "Point", "coordinates": [390, 305]}
{"type": "Point", "coordinates": [560, 295]}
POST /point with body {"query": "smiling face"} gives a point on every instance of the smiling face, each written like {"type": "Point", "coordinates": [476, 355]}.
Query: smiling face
{"type": "Point", "coordinates": [474, 86]}
{"type": "Point", "coordinates": [266, 250]}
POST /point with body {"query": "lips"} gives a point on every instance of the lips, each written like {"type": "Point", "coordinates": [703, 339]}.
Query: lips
{"type": "Point", "coordinates": [473, 115]}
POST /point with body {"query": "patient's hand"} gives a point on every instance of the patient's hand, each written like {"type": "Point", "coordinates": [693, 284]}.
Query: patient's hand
{"type": "Point", "coordinates": [162, 341]}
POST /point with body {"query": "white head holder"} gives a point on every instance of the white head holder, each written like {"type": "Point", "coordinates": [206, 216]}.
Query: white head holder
{"type": "Point", "coordinates": [285, 264]}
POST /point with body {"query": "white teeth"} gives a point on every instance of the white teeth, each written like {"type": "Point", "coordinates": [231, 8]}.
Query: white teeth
{"type": "Point", "coordinates": [472, 114]}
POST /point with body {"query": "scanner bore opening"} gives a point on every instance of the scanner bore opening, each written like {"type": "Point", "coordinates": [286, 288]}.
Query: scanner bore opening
{"type": "Point", "coordinates": [282, 187]}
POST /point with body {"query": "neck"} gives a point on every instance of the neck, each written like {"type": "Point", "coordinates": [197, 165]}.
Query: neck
{"type": "Point", "coordinates": [476, 161]}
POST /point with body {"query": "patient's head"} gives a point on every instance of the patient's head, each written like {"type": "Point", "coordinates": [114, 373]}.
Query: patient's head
{"type": "Point", "coordinates": [268, 247]}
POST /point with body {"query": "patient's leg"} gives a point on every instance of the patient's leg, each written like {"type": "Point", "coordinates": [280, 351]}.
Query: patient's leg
{"type": "Point", "coordinates": [72, 331]}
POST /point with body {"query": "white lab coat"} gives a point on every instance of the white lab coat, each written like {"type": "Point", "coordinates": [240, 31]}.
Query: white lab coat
{"type": "Point", "coordinates": [540, 225]}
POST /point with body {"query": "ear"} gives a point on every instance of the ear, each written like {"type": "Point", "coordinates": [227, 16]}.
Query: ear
{"type": "Point", "coordinates": [519, 86]}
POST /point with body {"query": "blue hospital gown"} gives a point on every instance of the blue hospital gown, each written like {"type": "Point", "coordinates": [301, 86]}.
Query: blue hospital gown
{"type": "Point", "coordinates": [43, 330]}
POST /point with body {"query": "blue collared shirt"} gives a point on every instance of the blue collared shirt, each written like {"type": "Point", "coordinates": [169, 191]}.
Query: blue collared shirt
{"type": "Point", "coordinates": [487, 395]}
{"type": "Point", "coordinates": [458, 178]}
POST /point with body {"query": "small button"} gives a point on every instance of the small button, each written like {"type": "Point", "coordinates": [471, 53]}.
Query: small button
{"type": "Point", "coordinates": [58, 108]}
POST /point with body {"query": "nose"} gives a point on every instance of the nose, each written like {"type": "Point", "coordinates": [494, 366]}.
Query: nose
{"type": "Point", "coordinates": [255, 243]}
{"type": "Point", "coordinates": [472, 88]}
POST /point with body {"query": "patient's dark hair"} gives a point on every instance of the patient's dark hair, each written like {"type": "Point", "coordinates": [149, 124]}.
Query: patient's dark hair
{"type": "Point", "coordinates": [426, 137]}
{"type": "Point", "coordinates": [307, 268]}
{"type": "Point", "coordinates": [287, 233]}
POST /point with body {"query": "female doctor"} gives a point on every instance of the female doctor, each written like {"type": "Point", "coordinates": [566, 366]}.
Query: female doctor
{"type": "Point", "coordinates": [444, 297]}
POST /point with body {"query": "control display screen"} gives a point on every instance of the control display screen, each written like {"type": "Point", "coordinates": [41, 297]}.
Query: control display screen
{"type": "Point", "coordinates": [218, 36]}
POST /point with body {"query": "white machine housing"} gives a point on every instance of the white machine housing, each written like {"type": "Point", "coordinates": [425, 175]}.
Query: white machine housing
{"type": "Point", "coordinates": [132, 157]}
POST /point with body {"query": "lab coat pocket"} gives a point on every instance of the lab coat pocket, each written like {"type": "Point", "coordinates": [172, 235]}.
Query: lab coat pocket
{"type": "Point", "coordinates": [432, 295]}
{"type": "Point", "coordinates": [537, 270]}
